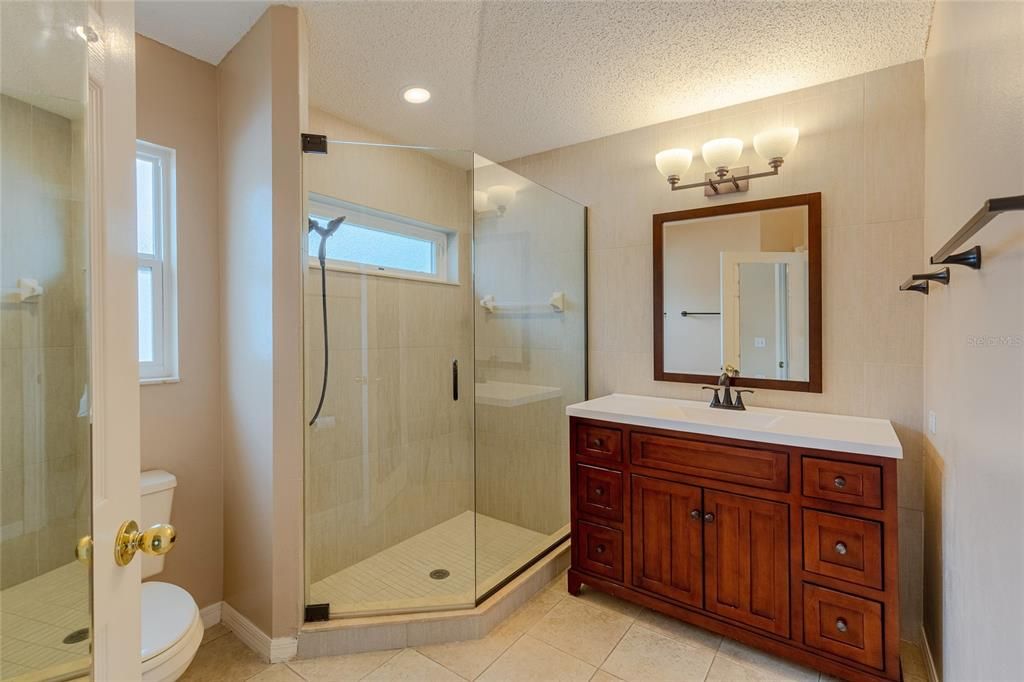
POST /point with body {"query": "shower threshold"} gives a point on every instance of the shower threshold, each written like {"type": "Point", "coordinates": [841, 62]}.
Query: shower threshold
{"type": "Point", "coordinates": [434, 570]}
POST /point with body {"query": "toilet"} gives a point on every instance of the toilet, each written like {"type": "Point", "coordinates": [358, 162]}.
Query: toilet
{"type": "Point", "coordinates": [171, 627]}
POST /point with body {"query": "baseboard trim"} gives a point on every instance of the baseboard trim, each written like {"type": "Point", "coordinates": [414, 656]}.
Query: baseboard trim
{"type": "Point", "coordinates": [272, 650]}
{"type": "Point", "coordinates": [210, 615]}
{"type": "Point", "coordinates": [926, 649]}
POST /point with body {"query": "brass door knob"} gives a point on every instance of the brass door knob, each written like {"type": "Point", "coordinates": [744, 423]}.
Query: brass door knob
{"type": "Point", "coordinates": [155, 541]}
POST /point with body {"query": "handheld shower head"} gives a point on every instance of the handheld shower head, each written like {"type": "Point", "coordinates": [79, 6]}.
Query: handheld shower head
{"type": "Point", "coordinates": [324, 233]}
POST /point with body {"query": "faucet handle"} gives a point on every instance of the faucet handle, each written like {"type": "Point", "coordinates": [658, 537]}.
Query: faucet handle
{"type": "Point", "coordinates": [716, 401]}
{"type": "Point", "coordinates": [739, 397]}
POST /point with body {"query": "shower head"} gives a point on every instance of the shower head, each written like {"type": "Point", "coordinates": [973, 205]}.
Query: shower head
{"type": "Point", "coordinates": [324, 233]}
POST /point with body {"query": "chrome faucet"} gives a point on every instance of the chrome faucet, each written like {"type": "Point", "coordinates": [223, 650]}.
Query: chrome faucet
{"type": "Point", "coordinates": [726, 402]}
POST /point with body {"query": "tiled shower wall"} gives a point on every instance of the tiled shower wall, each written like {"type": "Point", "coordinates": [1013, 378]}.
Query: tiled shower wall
{"type": "Point", "coordinates": [44, 444]}
{"type": "Point", "coordinates": [861, 146]}
{"type": "Point", "coordinates": [393, 453]}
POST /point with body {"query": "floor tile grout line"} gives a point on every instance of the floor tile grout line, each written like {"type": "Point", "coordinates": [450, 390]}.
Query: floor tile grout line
{"type": "Point", "coordinates": [616, 646]}
{"type": "Point", "coordinates": [383, 663]}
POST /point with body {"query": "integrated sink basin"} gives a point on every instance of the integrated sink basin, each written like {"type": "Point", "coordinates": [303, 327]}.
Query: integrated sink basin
{"type": "Point", "coordinates": [860, 435]}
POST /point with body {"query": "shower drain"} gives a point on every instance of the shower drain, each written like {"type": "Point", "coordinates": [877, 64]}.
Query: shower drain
{"type": "Point", "coordinates": [439, 573]}
{"type": "Point", "coordinates": [77, 636]}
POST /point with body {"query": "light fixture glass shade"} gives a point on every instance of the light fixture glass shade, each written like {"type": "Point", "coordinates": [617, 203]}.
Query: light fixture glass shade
{"type": "Point", "coordinates": [480, 201]}
{"type": "Point", "coordinates": [723, 152]}
{"type": "Point", "coordinates": [501, 196]}
{"type": "Point", "coordinates": [673, 161]}
{"type": "Point", "coordinates": [776, 143]}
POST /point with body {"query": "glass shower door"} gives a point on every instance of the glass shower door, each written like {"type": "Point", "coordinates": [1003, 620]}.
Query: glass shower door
{"type": "Point", "coordinates": [530, 336]}
{"type": "Point", "coordinates": [45, 457]}
{"type": "Point", "coordinates": [389, 458]}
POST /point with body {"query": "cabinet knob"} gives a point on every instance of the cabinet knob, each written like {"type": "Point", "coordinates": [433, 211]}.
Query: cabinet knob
{"type": "Point", "coordinates": [839, 482]}
{"type": "Point", "coordinates": [695, 514]}
{"type": "Point", "coordinates": [599, 491]}
{"type": "Point", "coordinates": [709, 517]}
{"type": "Point", "coordinates": [840, 548]}
{"type": "Point", "coordinates": [841, 625]}
{"type": "Point", "coordinates": [599, 549]}
{"type": "Point", "coordinates": [596, 443]}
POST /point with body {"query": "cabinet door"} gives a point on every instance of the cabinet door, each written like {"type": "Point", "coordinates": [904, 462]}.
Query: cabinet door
{"type": "Point", "coordinates": [746, 559]}
{"type": "Point", "coordinates": [666, 539]}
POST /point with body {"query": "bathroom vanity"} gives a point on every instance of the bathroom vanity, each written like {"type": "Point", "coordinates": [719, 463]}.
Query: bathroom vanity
{"type": "Point", "coordinates": [771, 527]}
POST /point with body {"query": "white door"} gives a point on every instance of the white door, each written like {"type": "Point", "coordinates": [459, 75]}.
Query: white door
{"type": "Point", "coordinates": [114, 328]}
{"type": "Point", "coordinates": [69, 441]}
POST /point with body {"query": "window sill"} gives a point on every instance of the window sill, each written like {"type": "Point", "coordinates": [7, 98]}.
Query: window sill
{"type": "Point", "coordinates": [159, 380]}
{"type": "Point", "coordinates": [314, 264]}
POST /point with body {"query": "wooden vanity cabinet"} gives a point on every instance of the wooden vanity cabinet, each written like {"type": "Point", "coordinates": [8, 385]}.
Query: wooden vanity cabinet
{"type": "Point", "coordinates": [787, 549]}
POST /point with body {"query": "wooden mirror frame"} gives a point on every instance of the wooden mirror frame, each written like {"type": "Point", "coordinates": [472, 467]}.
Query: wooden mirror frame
{"type": "Point", "coordinates": [813, 204]}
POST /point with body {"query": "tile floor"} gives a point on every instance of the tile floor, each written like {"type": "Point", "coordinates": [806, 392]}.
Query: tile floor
{"type": "Point", "coordinates": [553, 637]}
{"type": "Point", "coordinates": [36, 616]}
{"type": "Point", "coordinates": [398, 578]}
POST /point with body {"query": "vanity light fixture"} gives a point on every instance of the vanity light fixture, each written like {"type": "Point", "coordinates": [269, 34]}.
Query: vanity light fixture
{"type": "Point", "coordinates": [415, 95]}
{"type": "Point", "coordinates": [719, 154]}
{"type": "Point", "coordinates": [501, 196]}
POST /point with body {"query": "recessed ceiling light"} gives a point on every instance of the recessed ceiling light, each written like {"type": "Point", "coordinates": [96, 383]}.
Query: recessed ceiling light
{"type": "Point", "coordinates": [416, 95]}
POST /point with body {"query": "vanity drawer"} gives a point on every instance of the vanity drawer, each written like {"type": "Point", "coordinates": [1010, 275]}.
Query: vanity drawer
{"type": "Point", "coordinates": [846, 482]}
{"type": "Point", "coordinates": [843, 547]}
{"type": "Point", "coordinates": [733, 463]}
{"type": "Point", "coordinates": [600, 550]}
{"type": "Point", "coordinates": [599, 492]}
{"type": "Point", "coordinates": [843, 625]}
{"type": "Point", "coordinates": [598, 442]}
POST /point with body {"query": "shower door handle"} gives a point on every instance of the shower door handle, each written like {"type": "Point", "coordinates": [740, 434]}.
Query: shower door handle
{"type": "Point", "coordinates": [455, 379]}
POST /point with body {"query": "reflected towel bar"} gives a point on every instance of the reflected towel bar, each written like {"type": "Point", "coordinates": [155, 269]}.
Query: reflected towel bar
{"type": "Point", "coordinates": [687, 313]}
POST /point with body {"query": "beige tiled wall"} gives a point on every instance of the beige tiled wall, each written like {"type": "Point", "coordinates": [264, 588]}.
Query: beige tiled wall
{"type": "Point", "coordinates": [974, 344]}
{"type": "Point", "coordinates": [861, 146]}
{"type": "Point", "coordinates": [44, 446]}
{"type": "Point", "coordinates": [398, 457]}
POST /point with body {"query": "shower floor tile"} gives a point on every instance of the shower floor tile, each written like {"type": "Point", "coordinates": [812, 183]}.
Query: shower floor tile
{"type": "Point", "coordinates": [398, 578]}
{"type": "Point", "coordinates": [36, 616]}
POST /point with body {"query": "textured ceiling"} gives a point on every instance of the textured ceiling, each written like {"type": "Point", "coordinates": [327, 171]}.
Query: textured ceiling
{"type": "Point", "coordinates": [511, 78]}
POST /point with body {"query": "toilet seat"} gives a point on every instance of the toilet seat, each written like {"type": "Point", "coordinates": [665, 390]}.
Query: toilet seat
{"type": "Point", "coordinates": [171, 631]}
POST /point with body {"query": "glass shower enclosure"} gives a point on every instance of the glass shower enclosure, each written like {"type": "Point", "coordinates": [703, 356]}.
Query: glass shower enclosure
{"type": "Point", "coordinates": [444, 336]}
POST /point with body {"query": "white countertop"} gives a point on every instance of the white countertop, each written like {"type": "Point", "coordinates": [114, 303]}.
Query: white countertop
{"type": "Point", "coordinates": [507, 394]}
{"type": "Point", "coordinates": [861, 435]}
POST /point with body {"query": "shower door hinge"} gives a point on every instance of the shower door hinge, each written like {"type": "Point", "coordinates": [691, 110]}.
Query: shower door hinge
{"type": "Point", "coordinates": [317, 612]}
{"type": "Point", "coordinates": [314, 144]}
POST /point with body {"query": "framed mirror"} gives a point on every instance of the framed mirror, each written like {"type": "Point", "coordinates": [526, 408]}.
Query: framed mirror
{"type": "Point", "coordinates": [739, 286]}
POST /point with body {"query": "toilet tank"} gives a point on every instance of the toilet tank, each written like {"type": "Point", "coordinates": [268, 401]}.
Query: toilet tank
{"type": "Point", "coordinates": [157, 494]}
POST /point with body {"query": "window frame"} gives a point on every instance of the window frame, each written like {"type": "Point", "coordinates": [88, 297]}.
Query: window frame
{"type": "Point", "coordinates": [163, 265]}
{"type": "Point", "coordinates": [445, 241]}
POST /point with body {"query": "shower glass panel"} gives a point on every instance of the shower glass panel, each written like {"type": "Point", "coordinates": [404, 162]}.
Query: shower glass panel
{"type": "Point", "coordinates": [437, 466]}
{"type": "Point", "coordinates": [529, 259]}
{"type": "Point", "coordinates": [45, 459]}
{"type": "Point", "coordinates": [389, 462]}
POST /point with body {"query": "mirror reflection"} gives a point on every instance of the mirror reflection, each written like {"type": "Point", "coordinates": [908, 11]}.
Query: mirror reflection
{"type": "Point", "coordinates": [735, 293]}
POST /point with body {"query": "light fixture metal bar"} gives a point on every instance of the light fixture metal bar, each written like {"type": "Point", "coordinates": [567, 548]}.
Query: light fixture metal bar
{"type": "Point", "coordinates": [734, 179]}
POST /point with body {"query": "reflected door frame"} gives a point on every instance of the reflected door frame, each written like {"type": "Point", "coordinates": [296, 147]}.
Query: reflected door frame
{"type": "Point", "coordinates": [796, 263]}
{"type": "Point", "coordinates": [113, 343]}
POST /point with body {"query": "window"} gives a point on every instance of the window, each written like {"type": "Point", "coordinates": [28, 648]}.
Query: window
{"type": "Point", "coordinates": [382, 243]}
{"type": "Point", "coordinates": [158, 338]}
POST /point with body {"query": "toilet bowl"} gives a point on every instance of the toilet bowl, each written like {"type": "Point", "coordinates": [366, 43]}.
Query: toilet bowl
{"type": "Point", "coordinates": [171, 627]}
{"type": "Point", "coordinates": [171, 631]}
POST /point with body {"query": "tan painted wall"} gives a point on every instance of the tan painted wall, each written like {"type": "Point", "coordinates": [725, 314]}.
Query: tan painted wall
{"type": "Point", "coordinates": [974, 343]}
{"type": "Point", "coordinates": [862, 146]}
{"type": "Point", "coordinates": [261, 113]}
{"type": "Point", "coordinates": [176, 101]}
